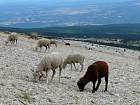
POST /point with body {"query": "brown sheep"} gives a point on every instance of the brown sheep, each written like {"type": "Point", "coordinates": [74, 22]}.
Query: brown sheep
{"type": "Point", "coordinates": [95, 72]}
{"type": "Point", "coordinates": [67, 44]}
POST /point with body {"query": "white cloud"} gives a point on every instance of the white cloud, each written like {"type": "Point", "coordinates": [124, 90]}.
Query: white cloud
{"type": "Point", "coordinates": [137, 2]}
{"type": "Point", "coordinates": [68, 11]}
{"type": "Point", "coordinates": [119, 16]}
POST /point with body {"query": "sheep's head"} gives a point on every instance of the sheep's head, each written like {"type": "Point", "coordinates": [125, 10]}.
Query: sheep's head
{"type": "Point", "coordinates": [81, 85]}
{"type": "Point", "coordinates": [36, 75]}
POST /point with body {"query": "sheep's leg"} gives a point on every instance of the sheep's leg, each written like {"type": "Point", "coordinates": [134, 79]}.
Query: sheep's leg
{"type": "Point", "coordinates": [40, 48]}
{"type": "Point", "coordinates": [47, 75]}
{"type": "Point", "coordinates": [49, 46]}
{"type": "Point", "coordinates": [53, 74]}
{"type": "Point", "coordinates": [56, 45]}
{"type": "Point", "coordinates": [99, 81]}
{"type": "Point", "coordinates": [71, 67]}
{"type": "Point", "coordinates": [81, 66]}
{"type": "Point", "coordinates": [10, 42]}
{"type": "Point", "coordinates": [41, 75]}
{"type": "Point", "coordinates": [36, 48]}
{"type": "Point", "coordinates": [74, 66]}
{"type": "Point", "coordinates": [93, 86]}
{"type": "Point", "coordinates": [106, 82]}
{"type": "Point", "coordinates": [60, 69]}
{"type": "Point", "coordinates": [46, 48]}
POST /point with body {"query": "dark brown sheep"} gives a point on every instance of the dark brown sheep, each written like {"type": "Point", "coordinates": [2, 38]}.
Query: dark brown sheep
{"type": "Point", "coordinates": [67, 44]}
{"type": "Point", "coordinates": [94, 72]}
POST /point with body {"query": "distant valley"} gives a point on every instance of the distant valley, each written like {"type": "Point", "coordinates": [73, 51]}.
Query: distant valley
{"type": "Point", "coordinates": [69, 13]}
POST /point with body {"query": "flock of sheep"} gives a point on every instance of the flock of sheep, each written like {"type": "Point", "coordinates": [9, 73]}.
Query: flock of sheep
{"type": "Point", "coordinates": [55, 61]}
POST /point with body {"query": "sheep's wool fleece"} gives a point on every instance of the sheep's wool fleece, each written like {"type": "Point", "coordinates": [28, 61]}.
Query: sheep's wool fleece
{"type": "Point", "coordinates": [52, 60]}
{"type": "Point", "coordinates": [76, 58]}
{"type": "Point", "coordinates": [43, 41]}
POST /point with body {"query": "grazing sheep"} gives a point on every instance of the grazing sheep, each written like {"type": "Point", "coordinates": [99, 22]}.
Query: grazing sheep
{"type": "Point", "coordinates": [43, 42]}
{"type": "Point", "coordinates": [72, 59]}
{"type": "Point", "coordinates": [49, 62]}
{"type": "Point", "coordinates": [53, 42]}
{"type": "Point", "coordinates": [67, 44]}
{"type": "Point", "coordinates": [12, 39]}
{"type": "Point", "coordinates": [32, 36]}
{"type": "Point", "coordinates": [94, 72]}
{"type": "Point", "coordinates": [88, 47]}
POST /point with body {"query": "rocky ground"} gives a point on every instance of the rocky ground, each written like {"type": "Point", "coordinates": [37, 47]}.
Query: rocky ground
{"type": "Point", "coordinates": [17, 86]}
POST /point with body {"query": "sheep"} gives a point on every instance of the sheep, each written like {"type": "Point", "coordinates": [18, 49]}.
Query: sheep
{"type": "Point", "coordinates": [33, 36]}
{"type": "Point", "coordinates": [67, 44]}
{"type": "Point", "coordinates": [43, 42]}
{"type": "Point", "coordinates": [12, 39]}
{"type": "Point", "coordinates": [49, 62]}
{"type": "Point", "coordinates": [72, 59]}
{"type": "Point", "coordinates": [88, 47]}
{"type": "Point", "coordinates": [53, 42]}
{"type": "Point", "coordinates": [94, 72]}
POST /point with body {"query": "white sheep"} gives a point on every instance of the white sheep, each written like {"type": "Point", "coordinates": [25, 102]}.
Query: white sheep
{"type": "Point", "coordinates": [49, 62]}
{"type": "Point", "coordinates": [43, 42]}
{"type": "Point", "coordinates": [12, 39]}
{"type": "Point", "coordinates": [54, 42]}
{"type": "Point", "coordinates": [72, 59]}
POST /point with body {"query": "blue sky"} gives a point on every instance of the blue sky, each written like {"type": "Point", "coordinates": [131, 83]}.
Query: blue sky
{"type": "Point", "coordinates": [54, 1]}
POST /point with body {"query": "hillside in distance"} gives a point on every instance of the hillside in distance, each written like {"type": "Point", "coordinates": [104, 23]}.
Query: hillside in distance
{"type": "Point", "coordinates": [121, 31]}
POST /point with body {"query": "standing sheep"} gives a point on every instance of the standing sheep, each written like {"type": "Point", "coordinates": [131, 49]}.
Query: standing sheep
{"type": "Point", "coordinates": [72, 59]}
{"type": "Point", "coordinates": [67, 44]}
{"type": "Point", "coordinates": [43, 42]}
{"type": "Point", "coordinates": [53, 42]}
{"type": "Point", "coordinates": [95, 72]}
{"type": "Point", "coordinates": [49, 62]}
{"type": "Point", "coordinates": [33, 36]}
{"type": "Point", "coordinates": [12, 39]}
